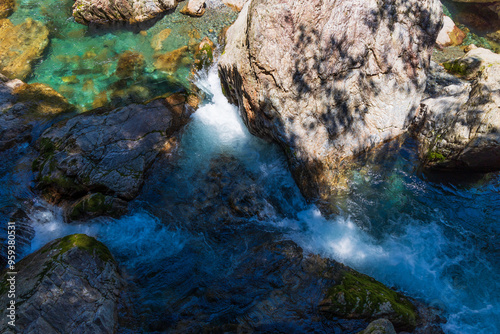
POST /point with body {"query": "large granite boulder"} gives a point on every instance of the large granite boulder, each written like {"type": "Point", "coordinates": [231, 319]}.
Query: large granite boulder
{"type": "Point", "coordinates": [96, 161]}
{"type": "Point", "coordinates": [20, 46]}
{"type": "Point", "coordinates": [71, 285]}
{"type": "Point", "coordinates": [109, 11]}
{"type": "Point", "coordinates": [328, 80]}
{"type": "Point", "coordinates": [459, 125]}
{"type": "Point", "coordinates": [25, 109]}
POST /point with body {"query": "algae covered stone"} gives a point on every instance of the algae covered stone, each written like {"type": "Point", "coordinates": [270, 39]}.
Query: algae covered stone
{"type": "Point", "coordinates": [20, 46]}
{"type": "Point", "coordinates": [359, 296]}
{"type": "Point", "coordinates": [71, 285]}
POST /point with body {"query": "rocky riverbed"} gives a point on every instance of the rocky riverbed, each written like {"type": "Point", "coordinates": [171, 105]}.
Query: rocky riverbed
{"type": "Point", "coordinates": [249, 166]}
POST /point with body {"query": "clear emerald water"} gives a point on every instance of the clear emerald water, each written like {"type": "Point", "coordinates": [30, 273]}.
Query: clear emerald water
{"type": "Point", "coordinates": [427, 235]}
{"type": "Point", "coordinates": [80, 62]}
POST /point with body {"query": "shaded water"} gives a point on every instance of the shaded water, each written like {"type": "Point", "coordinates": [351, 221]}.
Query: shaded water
{"type": "Point", "coordinates": [192, 247]}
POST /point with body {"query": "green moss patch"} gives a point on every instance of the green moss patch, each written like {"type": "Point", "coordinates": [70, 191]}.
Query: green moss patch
{"type": "Point", "coordinates": [361, 297]}
{"type": "Point", "coordinates": [94, 204]}
{"type": "Point", "coordinates": [83, 241]}
{"type": "Point", "coordinates": [434, 156]}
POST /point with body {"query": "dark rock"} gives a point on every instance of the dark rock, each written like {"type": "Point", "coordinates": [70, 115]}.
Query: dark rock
{"type": "Point", "coordinates": [71, 285]}
{"type": "Point", "coordinates": [359, 296]}
{"type": "Point", "coordinates": [105, 154]}
{"type": "Point", "coordinates": [25, 108]}
{"type": "Point", "coordinates": [328, 80]}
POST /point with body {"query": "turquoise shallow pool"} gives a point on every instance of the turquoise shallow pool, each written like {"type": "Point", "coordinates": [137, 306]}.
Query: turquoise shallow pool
{"type": "Point", "coordinates": [81, 62]}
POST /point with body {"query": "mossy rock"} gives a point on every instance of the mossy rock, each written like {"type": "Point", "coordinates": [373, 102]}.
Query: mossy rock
{"type": "Point", "coordinates": [434, 156]}
{"type": "Point", "coordinates": [84, 242]}
{"type": "Point", "coordinates": [97, 204]}
{"type": "Point", "coordinates": [359, 296]}
{"type": "Point", "coordinates": [204, 55]}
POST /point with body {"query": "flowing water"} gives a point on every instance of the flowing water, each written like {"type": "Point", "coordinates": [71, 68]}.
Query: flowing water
{"type": "Point", "coordinates": [183, 248]}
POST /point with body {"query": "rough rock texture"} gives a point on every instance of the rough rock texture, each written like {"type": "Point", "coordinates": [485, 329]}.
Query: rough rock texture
{"type": "Point", "coordinates": [380, 326]}
{"type": "Point", "coordinates": [26, 108]}
{"type": "Point", "coordinates": [71, 285]}
{"type": "Point", "coordinates": [20, 45]}
{"type": "Point", "coordinates": [194, 8]}
{"type": "Point", "coordinates": [109, 11]}
{"type": "Point", "coordinates": [106, 153]}
{"type": "Point", "coordinates": [235, 4]}
{"type": "Point", "coordinates": [450, 34]}
{"type": "Point", "coordinates": [6, 8]}
{"type": "Point", "coordinates": [328, 79]}
{"type": "Point", "coordinates": [361, 297]}
{"type": "Point", "coordinates": [459, 126]}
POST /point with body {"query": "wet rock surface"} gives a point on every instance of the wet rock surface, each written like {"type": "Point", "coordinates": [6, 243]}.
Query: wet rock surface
{"type": "Point", "coordinates": [20, 46]}
{"type": "Point", "coordinates": [328, 82]}
{"type": "Point", "coordinates": [97, 160]}
{"type": "Point", "coordinates": [109, 11]}
{"type": "Point", "coordinates": [6, 8]}
{"type": "Point", "coordinates": [460, 122]}
{"type": "Point", "coordinates": [70, 285]}
{"type": "Point", "coordinates": [26, 109]}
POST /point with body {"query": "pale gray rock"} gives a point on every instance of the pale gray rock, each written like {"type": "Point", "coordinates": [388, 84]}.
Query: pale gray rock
{"type": "Point", "coordinates": [109, 11]}
{"type": "Point", "coordinates": [459, 125]}
{"type": "Point", "coordinates": [194, 8]}
{"type": "Point", "coordinates": [328, 80]}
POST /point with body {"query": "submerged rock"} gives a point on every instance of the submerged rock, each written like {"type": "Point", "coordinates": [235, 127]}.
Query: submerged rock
{"type": "Point", "coordinates": [71, 285]}
{"type": "Point", "coordinates": [235, 4]}
{"type": "Point", "coordinates": [171, 61]}
{"type": "Point", "coordinates": [130, 65]}
{"type": "Point", "coordinates": [459, 125]}
{"type": "Point", "coordinates": [25, 108]}
{"type": "Point", "coordinates": [6, 8]}
{"type": "Point", "coordinates": [131, 11]}
{"type": "Point", "coordinates": [105, 154]}
{"type": "Point", "coordinates": [20, 45]}
{"type": "Point", "coordinates": [157, 40]}
{"type": "Point", "coordinates": [328, 80]}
